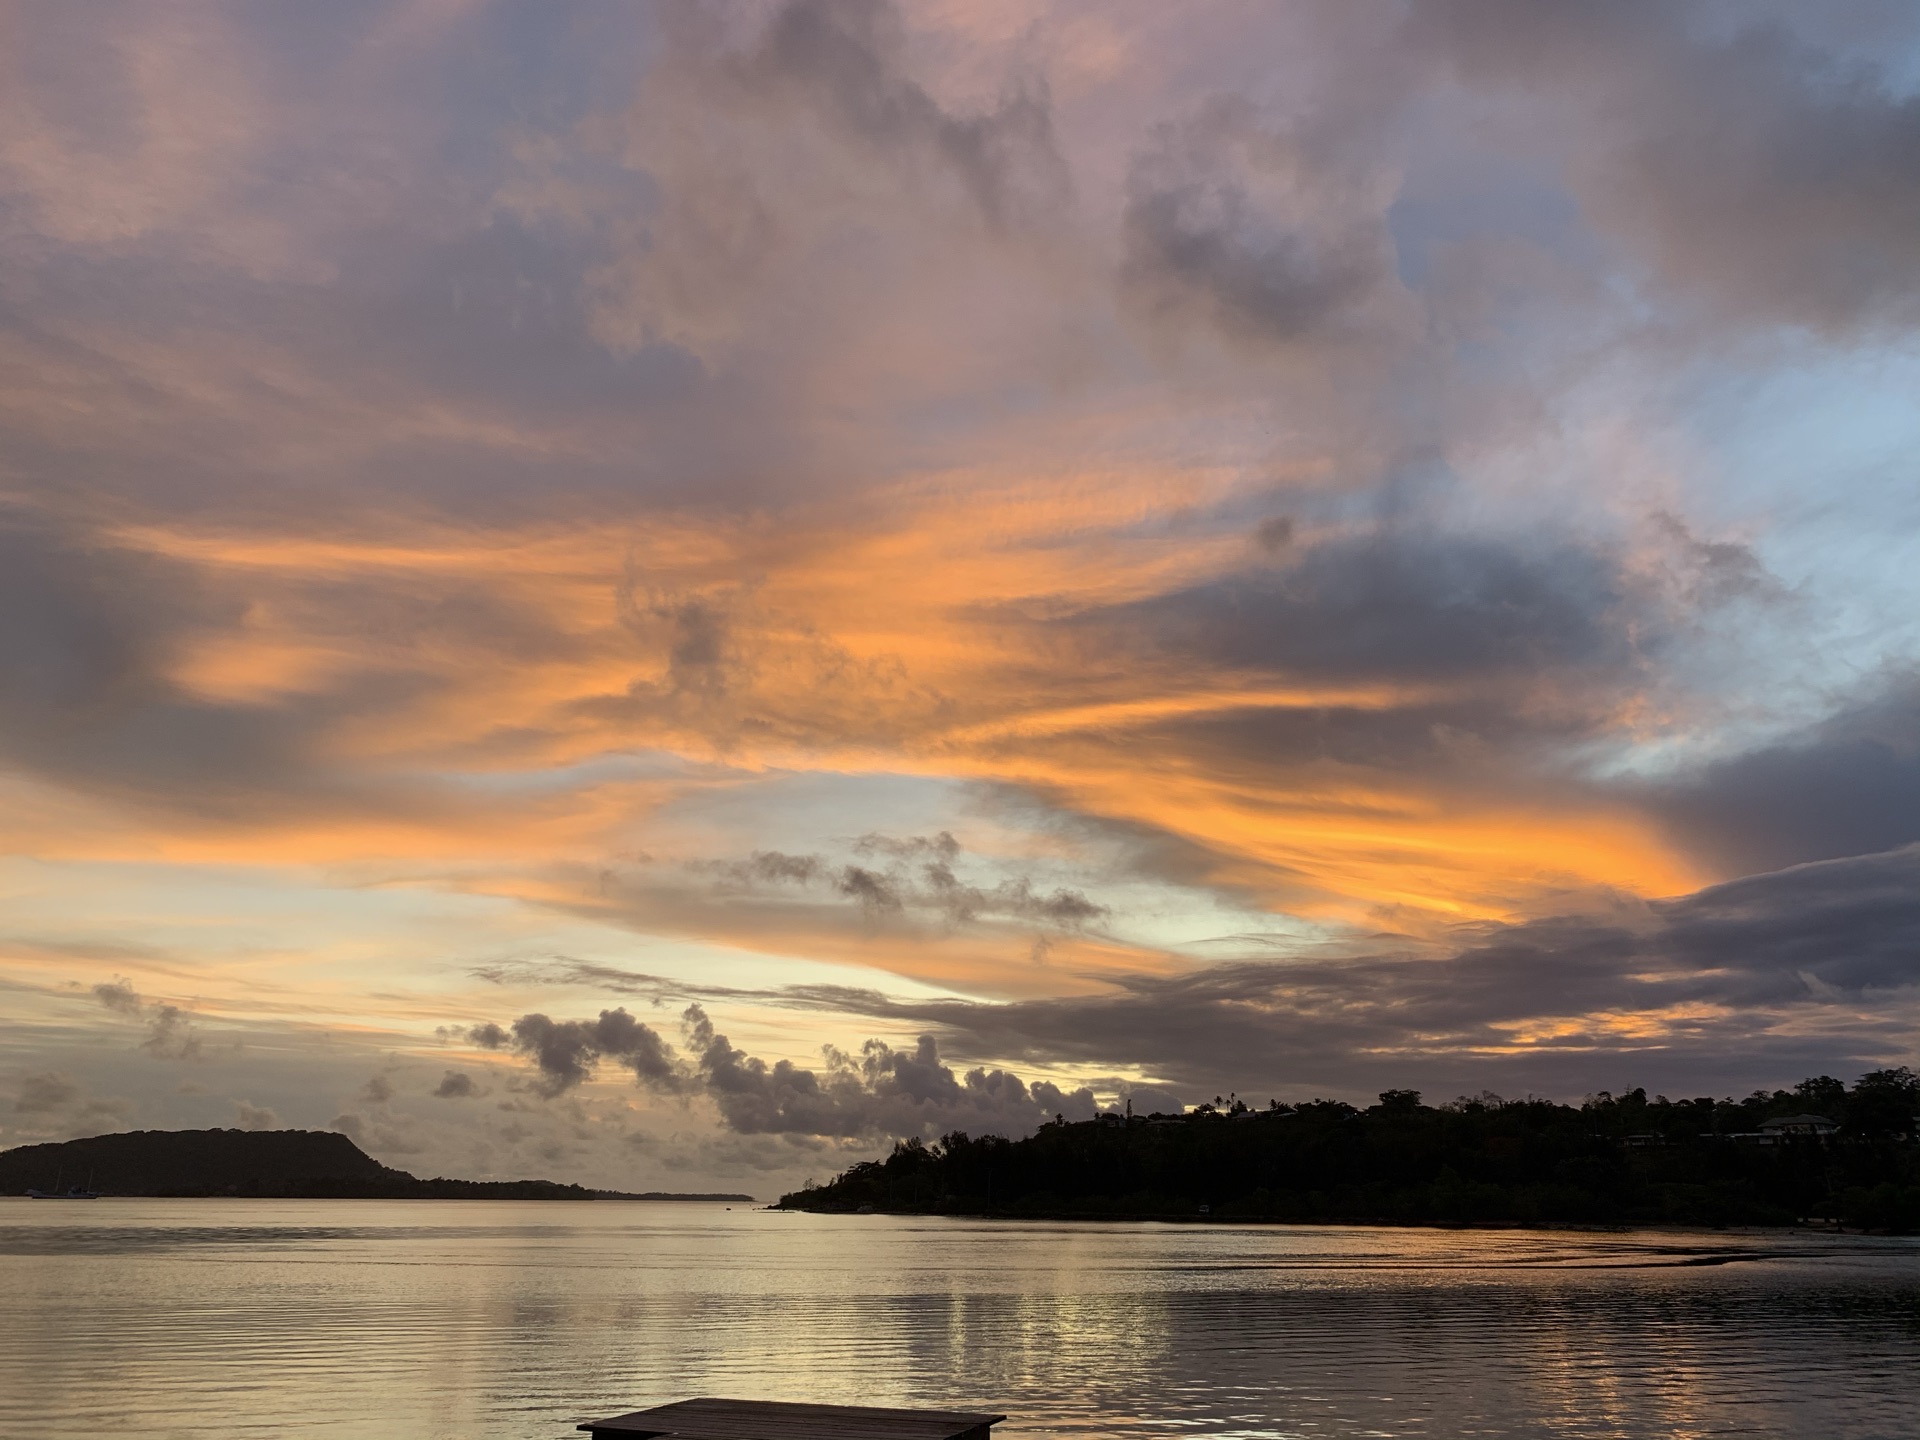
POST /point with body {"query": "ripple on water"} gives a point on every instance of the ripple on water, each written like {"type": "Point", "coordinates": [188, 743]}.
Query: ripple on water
{"type": "Point", "coordinates": [358, 1319]}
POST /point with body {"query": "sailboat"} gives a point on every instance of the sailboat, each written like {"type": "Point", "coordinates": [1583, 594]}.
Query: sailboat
{"type": "Point", "coordinates": [75, 1193]}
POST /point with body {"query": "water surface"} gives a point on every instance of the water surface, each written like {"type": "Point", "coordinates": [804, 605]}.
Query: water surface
{"type": "Point", "coordinates": [478, 1320]}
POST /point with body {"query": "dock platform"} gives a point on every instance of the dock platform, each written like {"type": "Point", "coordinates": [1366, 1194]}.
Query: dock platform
{"type": "Point", "coordinates": [710, 1418]}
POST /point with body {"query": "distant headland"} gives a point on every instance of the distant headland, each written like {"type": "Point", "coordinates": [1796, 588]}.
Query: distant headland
{"type": "Point", "coordinates": [1820, 1152]}
{"type": "Point", "coordinates": [267, 1164]}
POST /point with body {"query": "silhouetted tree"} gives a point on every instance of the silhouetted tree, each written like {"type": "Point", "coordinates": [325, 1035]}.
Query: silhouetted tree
{"type": "Point", "coordinates": [1616, 1159]}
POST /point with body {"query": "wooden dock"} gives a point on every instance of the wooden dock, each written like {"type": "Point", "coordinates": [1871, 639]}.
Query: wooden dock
{"type": "Point", "coordinates": [716, 1419]}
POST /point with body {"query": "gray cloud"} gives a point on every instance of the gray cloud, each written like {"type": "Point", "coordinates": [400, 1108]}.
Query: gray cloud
{"type": "Point", "coordinates": [1849, 786]}
{"type": "Point", "coordinates": [766, 867]}
{"type": "Point", "coordinates": [1273, 534]}
{"type": "Point", "coordinates": [171, 1033]}
{"type": "Point", "coordinates": [455, 1085]}
{"type": "Point", "coordinates": [566, 1052]}
{"type": "Point", "coordinates": [876, 894]}
{"type": "Point", "coordinates": [83, 641]}
{"type": "Point", "coordinates": [941, 848]}
{"type": "Point", "coordinates": [1503, 664]}
{"type": "Point", "coordinates": [381, 1134]}
{"type": "Point", "coordinates": [1258, 231]}
{"type": "Point", "coordinates": [1726, 982]}
{"type": "Point", "coordinates": [91, 631]}
{"type": "Point", "coordinates": [1768, 169]}
{"type": "Point", "coordinates": [846, 60]}
{"type": "Point", "coordinates": [880, 1091]}
{"type": "Point", "coordinates": [51, 1104]}
{"type": "Point", "coordinates": [40, 1093]}
{"type": "Point", "coordinates": [1407, 603]}
{"type": "Point", "coordinates": [1018, 899]}
{"type": "Point", "coordinates": [118, 996]}
{"type": "Point", "coordinates": [920, 876]}
{"type": "Point", "coordinates": [1811, 969]}
{"type": "Point", "coordinates": [254, 1117]}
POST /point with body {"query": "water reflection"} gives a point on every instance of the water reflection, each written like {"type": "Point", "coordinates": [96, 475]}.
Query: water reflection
{"type": "Point", "coordinates": [488, 1321]}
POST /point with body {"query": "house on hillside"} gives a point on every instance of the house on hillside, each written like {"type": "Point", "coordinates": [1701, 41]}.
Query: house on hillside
{"type": "Point", "coordinates": [1783, 1125]}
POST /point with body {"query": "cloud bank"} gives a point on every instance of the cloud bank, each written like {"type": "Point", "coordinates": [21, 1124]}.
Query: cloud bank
{"type": "Point", "coordinates": [879, 1092]}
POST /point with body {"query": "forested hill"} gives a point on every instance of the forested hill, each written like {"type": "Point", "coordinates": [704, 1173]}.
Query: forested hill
{"type": "Point", "coordinates": [1614, 1160]}
{"type": "Point", "coordinates": [306, 1164]}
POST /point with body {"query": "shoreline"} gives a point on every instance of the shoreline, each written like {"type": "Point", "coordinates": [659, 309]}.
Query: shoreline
{"type": "Point", "coordinates": [611, 1197]}
{"type": "Point", "coordinates": [1588, 1227]}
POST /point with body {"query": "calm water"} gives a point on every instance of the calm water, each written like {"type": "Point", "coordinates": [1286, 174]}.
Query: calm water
{"type": "Point", "coordinates": [483, 1321]}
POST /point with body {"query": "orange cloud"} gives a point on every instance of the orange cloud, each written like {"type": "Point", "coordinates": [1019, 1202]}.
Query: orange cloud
{"type": "Point", "coordinates": [913, 636]}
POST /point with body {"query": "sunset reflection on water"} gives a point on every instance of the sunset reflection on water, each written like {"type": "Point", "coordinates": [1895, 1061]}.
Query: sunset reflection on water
{"type": "Point", "coordinates": [217, 1319]}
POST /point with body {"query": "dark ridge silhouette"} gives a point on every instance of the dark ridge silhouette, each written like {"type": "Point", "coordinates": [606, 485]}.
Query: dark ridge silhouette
{"type": "Point", "coordinates": [1818, 1153]}
{"type": "Point", "coordinates": [279, 1164]}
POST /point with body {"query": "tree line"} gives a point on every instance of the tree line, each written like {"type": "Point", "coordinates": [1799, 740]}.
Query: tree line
{"type": "Point", "coordinates": [1614, 1160]}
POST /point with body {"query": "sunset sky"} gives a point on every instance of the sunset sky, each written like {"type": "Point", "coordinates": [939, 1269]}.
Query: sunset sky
{"type": "Point", "coordinates": [954, 562]}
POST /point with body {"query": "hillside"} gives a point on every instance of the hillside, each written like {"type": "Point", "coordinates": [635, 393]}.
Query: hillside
{"type": "Point", "coordinates": [304, 1164]}
{"type": "Point", "coordinates": [1615, 1160]}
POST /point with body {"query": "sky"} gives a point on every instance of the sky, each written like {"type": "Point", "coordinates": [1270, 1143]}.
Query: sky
{"type": "Point", "coordinates": [667, 595]}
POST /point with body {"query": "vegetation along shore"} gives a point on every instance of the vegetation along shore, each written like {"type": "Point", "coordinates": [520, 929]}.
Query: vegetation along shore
{"type": "Point", "coordinates": [1819, 1153]}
